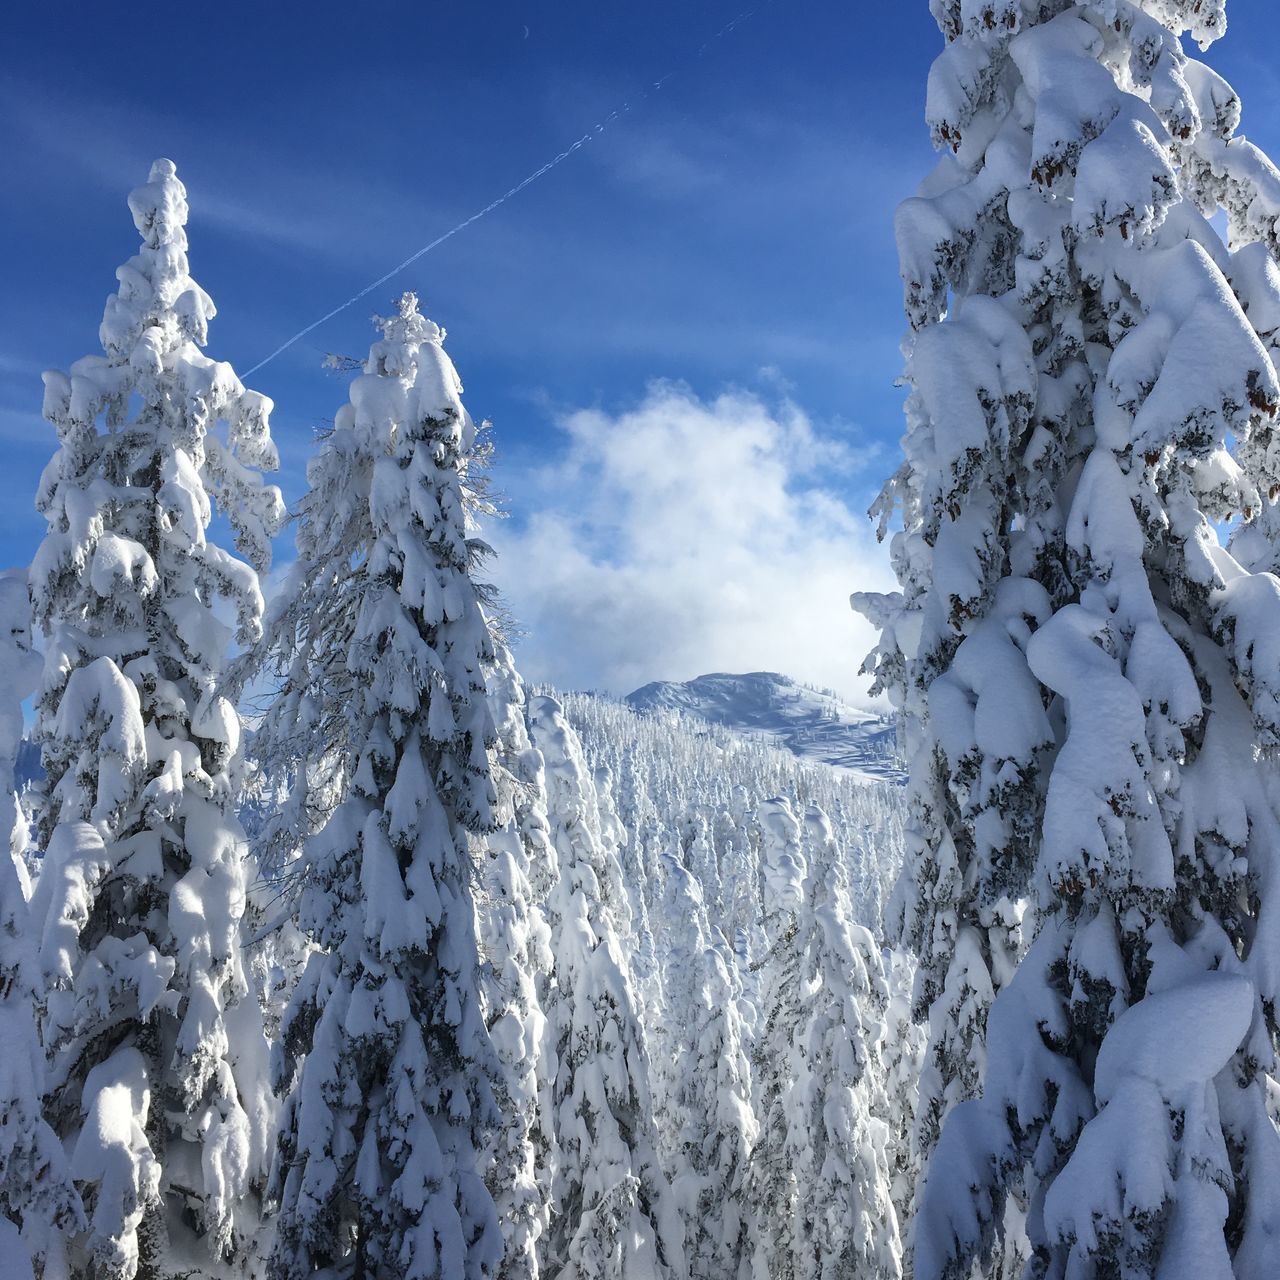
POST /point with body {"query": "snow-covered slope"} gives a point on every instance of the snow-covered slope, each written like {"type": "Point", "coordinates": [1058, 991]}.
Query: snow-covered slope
{"type": "Point", "coordinates": [668, 773]}
{"type": "Point", "coordinates": [811, 723]}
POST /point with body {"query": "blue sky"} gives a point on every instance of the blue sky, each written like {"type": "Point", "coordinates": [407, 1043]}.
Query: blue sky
{"type": "Point", "coordinates": [730, 233]}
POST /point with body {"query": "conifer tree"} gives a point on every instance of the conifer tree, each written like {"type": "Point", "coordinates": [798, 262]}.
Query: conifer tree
{"type": "Point", "coordinates": [20, 668]}
{"type": "Point", "coordinates": [519, 870]}
{"type": "Point", "coordinates": [682, 922]}
{"type": "Point", "coordinates": [847, 1225]}
{"type": "Point", "coordinates": [740, 887]}
{"type": "Point", "coordinates": [640, 844]}
{"type": "Point", "coordinates": [386, 1064]}
{"type": "Point", "coordinates": [904, 1048]}
{"type": "Point", "coordinates": [705, 1079]}
{"type": "Point", "coordinates": [612, 1213]}
{"type": "Point", "coordinates": [1088, 676]}
{"type": "Point", "coordinates": [155, 1044]}
{"type": "Point", "coordinates": [722, 1055]}
{"type": "Point", "coordinates": [37, 1195]}
{"type": "Point", "coordinates": [705, 868]}
{"type": "Point", "coordinates": [774, 1188]}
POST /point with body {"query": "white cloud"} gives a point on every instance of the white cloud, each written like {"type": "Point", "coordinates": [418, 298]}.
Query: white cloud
{"type": "Point", "coordinates": [683, 536]}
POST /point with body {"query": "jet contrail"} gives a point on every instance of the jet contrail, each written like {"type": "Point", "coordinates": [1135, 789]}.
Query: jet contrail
{"type": "Point", "coordinates": [577, 145]}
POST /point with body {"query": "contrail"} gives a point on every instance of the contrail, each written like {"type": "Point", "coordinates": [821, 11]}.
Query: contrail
{"type": "Point", "coordinates": [577, 145]}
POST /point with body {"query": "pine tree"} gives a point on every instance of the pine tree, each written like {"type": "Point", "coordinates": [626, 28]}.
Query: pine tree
{"type": "Point", "coordinates": [36, 1191]}
{"type": "Point", "coordinates": [847, 1224]}
{"type": "Point", "coordinates": [612, 1213]}
{"type": "Point", "coordinates": [519, 870]}
{"type": "Point", "coordinates": [154, 1042]}
{"type": "Point", "coordinates": [704, 866]}
{"type": "Point", "coordinates": [672, 775]}
{"type": "Point", "coordinates": [774, 1189]}
{"type": "Point", "coordinates": [740, 887]}
{"type": "Point", "coordinates": [20, 668]}
{"type": "Point", "coordinates": [682, 937]}
{"type": "Point", "coordinates": [386, 1065]}
{"type": "Point", "coordinates": [640, 844]}
{"type": "Point", "coordinates": [1087, 675]}
{"type": "Point", "coordinates": [705, 1080]}
{"type": "Point", "coordinates": [723, 1065]}
{"type": "Point", "coordinates": [903, 1057]}
{"type": "Point", "coordinates": [304, 750]}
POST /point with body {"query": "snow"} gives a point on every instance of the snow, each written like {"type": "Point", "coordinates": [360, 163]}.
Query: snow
{"type": "Point", "coordinates": [553, 986]}
{"type": "Point", "coordinates": [1125, 1165]}
{"type": "Point", "coordinates": [1119, 1170]}
{"type": "Point", "coordinates": [141, 899]}
{"type": "Point", "coordinates": [390, 1079]}
{"type": "Point", "coordinates": [782, 866]}
{"type": "Point", "coordinates": [38, 1202]}
{"type": "Point", "coordinates": [17, 1259]}
{"type": "Point", "coordinates": [1091, 397]}
{"type": "Point", "coordinates": [811, 724]}
{"type": "Point", "coordinates": [1149, 1039]}
{"type": "Point", "coordinates": [19, 676]}
{"type": "Point", "coordinates": [670, 775]}
{"type": "Point", "coordinates": [112, 1152]}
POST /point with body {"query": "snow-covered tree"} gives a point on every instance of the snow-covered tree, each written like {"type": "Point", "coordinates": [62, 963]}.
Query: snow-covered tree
{"type": "Point", "coordinates": [1088, 676]}
{"type": "Point", "coordinates": [697, 794]}
{"type": "Point", "coordinates": [640, 841]}
{"type": "Point", "coordinates": [156, 1051]}
{"type": "Point", "coordinates": [386, 1064]}
{"type": "Point", "coordinates": [671, 771]}
{"type": "Point", "coordinates": [740, 890]}
{"type": "Point", "coordinates": [903, 1057]}
{"type": "Point", "coordinates": [704, 1083]}
{"type": "Point", "coordinates": [36, 1191]}
{"type": "Point", "coordinates": [612, 1210]}
{"type": "Point", "coordinates": [683, 929]}
{"type": "Point", "coordinates": [519, 870]}
{"type": "Point", "coordinates": [303, 750]}
{"type": "Point", "coordinates": [20, 668]}
{"type": "Point", "coordinates": [773, 1186]}
{"type": "Point", "coordinates": [705, 867]}
{"type": "Point", "coordinates": [847, 1227]}
{"type": "Point", "coordinates": [721, 1059]}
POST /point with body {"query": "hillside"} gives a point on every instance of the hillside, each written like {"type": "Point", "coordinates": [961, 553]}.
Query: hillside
{"type": "Point", "coordinates": [667, 771]}
{"type": "Point", "coordinates": [810, 723]}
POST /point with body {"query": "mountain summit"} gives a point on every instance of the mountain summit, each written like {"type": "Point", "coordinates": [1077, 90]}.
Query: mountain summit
{"type": "Point", "coordinates": [813, 724]}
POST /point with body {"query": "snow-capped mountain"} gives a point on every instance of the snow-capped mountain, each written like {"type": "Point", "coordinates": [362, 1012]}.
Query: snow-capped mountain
{"type": "Point", "coordinates": [811, 723]}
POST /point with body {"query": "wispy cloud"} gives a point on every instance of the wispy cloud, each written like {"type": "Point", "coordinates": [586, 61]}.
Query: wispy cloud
{"type": "Point", "coordinates": [18, 367]}
{"type": "Point", "coordinates": [258, 194]}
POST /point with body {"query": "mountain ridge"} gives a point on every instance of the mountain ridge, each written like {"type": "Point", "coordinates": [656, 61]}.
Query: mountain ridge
{"type": "Point", "coordinates": [813, 724]}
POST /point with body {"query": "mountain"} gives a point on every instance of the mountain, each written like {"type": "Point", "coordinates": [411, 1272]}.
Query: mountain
{"type": "Point", "coordinates": [812, 724]}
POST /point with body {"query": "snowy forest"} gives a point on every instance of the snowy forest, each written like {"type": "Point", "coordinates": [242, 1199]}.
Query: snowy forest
{"type": "Point", "coordinates": [332, 947]}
